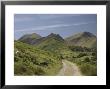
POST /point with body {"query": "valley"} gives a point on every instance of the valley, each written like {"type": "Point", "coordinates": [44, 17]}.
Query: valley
{"type": "Point", "coordinates": [53, 55]}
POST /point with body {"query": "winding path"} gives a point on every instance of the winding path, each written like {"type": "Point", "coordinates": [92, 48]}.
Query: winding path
{"type": "Point", "coordinates": [69, 69]}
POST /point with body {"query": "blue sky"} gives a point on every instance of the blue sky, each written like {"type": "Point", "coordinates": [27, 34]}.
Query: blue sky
{"type": "Point", "coordinates": [63, 24]}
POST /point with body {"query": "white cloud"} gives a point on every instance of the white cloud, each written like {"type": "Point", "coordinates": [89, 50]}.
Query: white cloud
{"type": "Point", "coordinates": [52, 26]}
{"type": "Point", "coordinates": [54, 16]}
{"type": "Point", "coordinates": [77, 24]}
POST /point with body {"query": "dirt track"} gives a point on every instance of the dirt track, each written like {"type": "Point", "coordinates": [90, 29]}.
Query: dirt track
{"type": "Point", "coordinates": [69, 69]}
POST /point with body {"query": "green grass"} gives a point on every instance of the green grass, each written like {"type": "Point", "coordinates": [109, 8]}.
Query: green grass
{"type": "Point", "coordinates": [30, 60]}
{"type": "Point", "coordinates": [46, 58]}
{"type": "Point", "coordinates": [88, 69]}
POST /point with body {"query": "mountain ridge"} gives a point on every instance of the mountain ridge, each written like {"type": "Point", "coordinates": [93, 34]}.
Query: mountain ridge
{"type": "Point", "coordinates": [84, 39]}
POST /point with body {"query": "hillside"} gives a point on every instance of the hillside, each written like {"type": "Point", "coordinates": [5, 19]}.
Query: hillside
{"type": "Point", "coordinates": [55, 44]}
{"type": "Point", "coordinates": [30, 38]}
{"type": "Point", "coordinates": [29, 60]}
{"type": "Point", "coordinates": [36, 55]}
{"type": "Point", "coordinates": [83, 39]}
{"type": "Point", "coordinates": [52, 42]}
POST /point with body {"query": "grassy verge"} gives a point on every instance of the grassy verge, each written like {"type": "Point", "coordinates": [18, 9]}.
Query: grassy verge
{"type": "Point", "coordinates": [86, 61]}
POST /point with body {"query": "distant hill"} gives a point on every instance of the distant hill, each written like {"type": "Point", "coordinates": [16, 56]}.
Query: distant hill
{"type": "Point", "coordinates": [84, 39]}
{"type": "Point", "coordinates": [30, 38]}
{"type": "Point", "coordinates": [53, 43]}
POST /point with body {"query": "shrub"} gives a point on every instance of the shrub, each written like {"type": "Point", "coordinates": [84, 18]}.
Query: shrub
{"type": "Point", "coordinates": [93, 54]}
{"type": "Point", "coordinates": [88, 69]}
{"type": "Point", "coordinates": [81, 55]}
{"type": "Point", "coordinates": [87, 59]}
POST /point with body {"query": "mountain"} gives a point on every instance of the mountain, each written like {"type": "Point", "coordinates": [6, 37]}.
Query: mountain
{"type": "Point", "coordinates": [52, 42]}
{"type": "Point", "coordinates": [83, 39]}
{"type": "Point", "coordinates": [30, 38]}
{"type": "Point", "coordinates": [35, 39]}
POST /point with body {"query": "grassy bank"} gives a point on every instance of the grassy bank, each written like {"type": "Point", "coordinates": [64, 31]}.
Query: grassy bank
{"type": "Point", "coordinates": [85, 58]}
